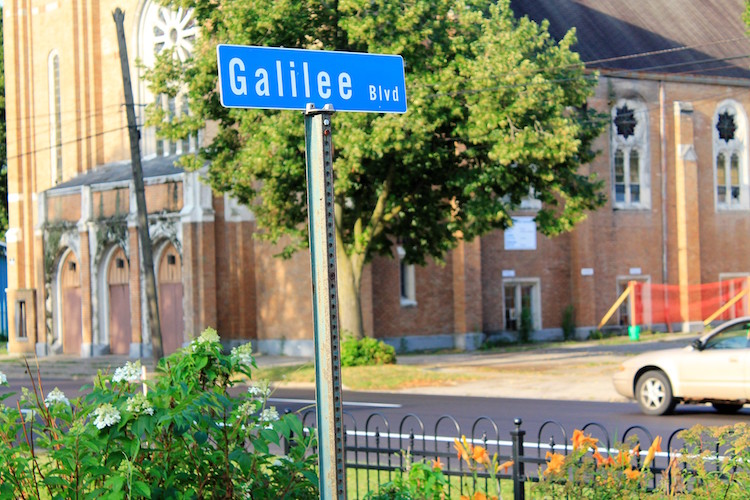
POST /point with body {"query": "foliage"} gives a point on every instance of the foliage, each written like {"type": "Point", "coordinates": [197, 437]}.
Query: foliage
{"type": "Point", "coordinates": [586, 473]}
{"type": "Point", "coordinates": [719, 471]}
{"type": "Point", "coordinates": [526, 326]}
{"type": "Point", "coordinates": [366, 351]}
{"type": "Point", "coordinates": [569, 322]}
{"type": "Point", "coordinates": [497, 111]}
{"type": "Point", "coordinates": [418, 482]}
{"type": "Point", "coordinates": [478, 460]}
{"type": "Point", "coordinates": [182, 435]}
{"type": "Point", "coordinates": [714, 462]}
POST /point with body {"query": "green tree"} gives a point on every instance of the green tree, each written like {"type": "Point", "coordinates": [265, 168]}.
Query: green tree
{"type": "Point", "coordinates": [497, 109]}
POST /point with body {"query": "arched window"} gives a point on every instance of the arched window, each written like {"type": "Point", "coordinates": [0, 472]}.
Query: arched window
{"type": "Point", "coordinates": [161, 29]}
{"type": "Point", "coordinates": [730, 160]}
{"type": "Point", "coordinates": [55, 120]}
{"type": "Point", "coordinates": [631, 175]}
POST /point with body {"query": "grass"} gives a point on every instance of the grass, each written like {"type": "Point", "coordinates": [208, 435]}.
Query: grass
{"type": "Point", "coordinates": [359, 482]}
{"type": "Point", "coordinates": [3, 348]}
{"type": "Point", "coordinates": [370, 378]}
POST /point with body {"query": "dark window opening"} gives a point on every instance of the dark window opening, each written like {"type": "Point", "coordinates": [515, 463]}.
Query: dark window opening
{"type": "Point", "coordinates": [726, 126]}
{"type": "Point", "coordinates": [625, 121]}
{"type": "Point", "coordinates": [21, 319]}
{"type": "Point", "coordinates": [171, 260]}
{"type": "Point", "coordinates": [120, 263]}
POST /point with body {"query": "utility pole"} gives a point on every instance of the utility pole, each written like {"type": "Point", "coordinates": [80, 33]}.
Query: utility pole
{"type": "Point", "coordinates": [140, 193]}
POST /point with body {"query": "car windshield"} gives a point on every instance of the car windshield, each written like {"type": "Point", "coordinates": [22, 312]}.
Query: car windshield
{"type": "Point", "coordinates": [734, 337]}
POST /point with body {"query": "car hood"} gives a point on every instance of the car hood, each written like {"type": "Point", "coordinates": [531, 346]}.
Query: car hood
{"type": "Point", "coordinates": [653, 357]}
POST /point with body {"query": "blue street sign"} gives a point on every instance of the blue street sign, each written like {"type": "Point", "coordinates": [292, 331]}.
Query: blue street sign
{"type": "Point", "coordinates": [276, 78]}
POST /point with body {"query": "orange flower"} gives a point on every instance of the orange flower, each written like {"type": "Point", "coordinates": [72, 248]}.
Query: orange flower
{"type": "Point", "coordinates": [504, 466]}
{"type": "Point", "coordinates": [437, 464]}
{"type": "Point", "coordinates": [632, 473]}
{"type": "Point", "coordinates": [655, 446]}
{"type": "Point", "coordinates": [477, 496]}
{"type": "Point", "coordinates": [555, 462]}
{"type": "Point", "coordinates": [600, 460]}
{"type": "Point", "coordinates": [464, 449]}
{"type": "Point", "coordinates": [480, 455]}
{"type": "Point", "coordinates": [580, 440]}
{"type": "Point", "coordinates": [622, 459]}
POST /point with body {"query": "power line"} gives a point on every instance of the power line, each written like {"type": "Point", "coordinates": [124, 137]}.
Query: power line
{"type": "Point", "coordinates": [74, 141]}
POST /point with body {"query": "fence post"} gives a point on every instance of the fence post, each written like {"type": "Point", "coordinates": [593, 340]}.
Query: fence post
{"type": "Point", "coordinates": [519, 476]}
{"type": "Point", "coordinates": [288, 442]}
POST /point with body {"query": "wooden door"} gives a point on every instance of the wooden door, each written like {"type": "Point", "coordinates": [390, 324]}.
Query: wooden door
{"type": "Point", "coordinates": [71, 321]}
{"type": "Point", "coordinates": [120, 332]}
{"type": "Point", "coordinates": [171, 314]}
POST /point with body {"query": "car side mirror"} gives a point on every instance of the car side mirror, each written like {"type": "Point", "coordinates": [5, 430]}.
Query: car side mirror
{"type": "Point", "coordinates": [697, 345]}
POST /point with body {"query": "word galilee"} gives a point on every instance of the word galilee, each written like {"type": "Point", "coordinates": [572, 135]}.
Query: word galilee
{"type": "Point", "coordinates": [276, 78]}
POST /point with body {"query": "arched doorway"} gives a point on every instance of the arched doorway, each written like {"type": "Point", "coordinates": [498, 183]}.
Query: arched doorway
{"type": "Point", "coordinates": [119, 303]}
{"type": "Point", "coordinates": [170, 300]}
{"type": "Point", "coordinates": [71, 321]}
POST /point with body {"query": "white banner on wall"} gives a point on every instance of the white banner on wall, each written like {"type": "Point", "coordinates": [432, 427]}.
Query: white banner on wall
{"type": "Point", "coordinates": [521, 235]}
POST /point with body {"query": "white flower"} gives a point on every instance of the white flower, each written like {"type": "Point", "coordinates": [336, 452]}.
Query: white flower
{"type": "Point", "coordinates": [3, 379]}
{"type": "Point", "coordinates": [55, 396]}
{"type": "Point", "coordinates": [209, 335]}
{"type": "Point", "coordinates": [243, 354]}
{"type": "Point", "coordinates": [139, 404]}
{"type": "Point", "coordinates": [130, 373]}
{"type": "Point", "coordinates": [246, 409]}
{"type": "Point", "coordinates": [269, 415]}
{"type": "Point", "coordinates": [106, 415]}
{"type": "Point", "coordinates": [260, 390]}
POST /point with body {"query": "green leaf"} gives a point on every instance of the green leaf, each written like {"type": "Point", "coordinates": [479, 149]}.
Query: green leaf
{"type": "Point", "coordinates": [142, 489]}
{"type": "Point", "coordinates": [200, 437]}
{"type": "Point", "coordinates": [115, 483]}
{"type": "Point", "coordinates": [270, 435]}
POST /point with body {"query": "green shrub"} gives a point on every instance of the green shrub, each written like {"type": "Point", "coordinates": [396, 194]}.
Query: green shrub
{"type": "Point", "coordinates": [182, 435]}
{"type": "Point", "coordinates": [366, 351]}
{"type": "Point", "coordinates": [569, 322]}
{"type": "Point", "coordinates": [526, 326]}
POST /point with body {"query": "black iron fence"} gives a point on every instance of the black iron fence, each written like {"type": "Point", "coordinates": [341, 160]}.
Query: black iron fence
{"type": "Point", "coordinates": [383, 449]}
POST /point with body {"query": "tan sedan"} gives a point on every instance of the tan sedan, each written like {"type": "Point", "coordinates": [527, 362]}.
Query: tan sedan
{"type": "Point", "coordinates": [714, 369]}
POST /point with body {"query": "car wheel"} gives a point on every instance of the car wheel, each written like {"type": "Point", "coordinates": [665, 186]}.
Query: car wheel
{"type": "Point", "coordinates": [654, 393]}
{"type": "Point", "coordinates": [727, 407]}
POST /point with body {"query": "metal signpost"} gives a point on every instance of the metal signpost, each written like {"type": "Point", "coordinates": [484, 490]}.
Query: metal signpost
{"type": "Point", "coordinates": [275, 78]}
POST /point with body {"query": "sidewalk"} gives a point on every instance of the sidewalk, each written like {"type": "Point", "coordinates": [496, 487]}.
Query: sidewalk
{"type": "Point", "coordinates": [71, 367]}
{"type": "Point", "coordinates": [574, 371]}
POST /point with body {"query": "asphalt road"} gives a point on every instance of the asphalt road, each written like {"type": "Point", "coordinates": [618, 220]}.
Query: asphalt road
{"type": "Point", "coordinates": [366, 411]}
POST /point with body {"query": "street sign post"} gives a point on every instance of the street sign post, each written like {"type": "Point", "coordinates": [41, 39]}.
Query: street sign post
{"type": "Point", "coordinates": [317, 82]}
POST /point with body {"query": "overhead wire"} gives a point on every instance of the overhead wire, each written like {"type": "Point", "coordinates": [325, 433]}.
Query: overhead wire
{"type": "Point", "coordinates": [494, 88]}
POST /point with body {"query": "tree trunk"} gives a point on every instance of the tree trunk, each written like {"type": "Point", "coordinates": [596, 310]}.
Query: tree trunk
{"type": "Point", "coordinates": [350, 301]}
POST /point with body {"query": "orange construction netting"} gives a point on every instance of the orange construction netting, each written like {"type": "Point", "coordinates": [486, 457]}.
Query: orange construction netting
{"type": "Point", "coordinates": [664, 304]}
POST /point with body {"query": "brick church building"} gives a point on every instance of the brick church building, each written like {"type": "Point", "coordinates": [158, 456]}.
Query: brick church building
{"type": "Point", "coordinates": [674, 78]}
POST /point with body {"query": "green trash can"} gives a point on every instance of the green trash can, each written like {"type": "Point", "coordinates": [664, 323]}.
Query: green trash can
{"type": "Point", "coordinates": [634, 332]}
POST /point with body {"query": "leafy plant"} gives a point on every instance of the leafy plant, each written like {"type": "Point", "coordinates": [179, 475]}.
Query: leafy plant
{"type": "Point", "coordinates": [366, 351]}
{"type": "Point", "coordinates": [182, 435]}
{"type": "Point", "coordinates": [419, 481]}
{"type": "Point", "coordinates": [569, 322]}
{"type": "Point", "coordinates": [586, 473]}
{"type": "Point", "coordinates": [526, 326]}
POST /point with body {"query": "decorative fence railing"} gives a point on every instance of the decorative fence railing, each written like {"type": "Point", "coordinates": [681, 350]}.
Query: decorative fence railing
{"type": "Point", "coordinates": [383, 450]}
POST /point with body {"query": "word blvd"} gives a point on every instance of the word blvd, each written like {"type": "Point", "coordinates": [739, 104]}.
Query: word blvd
{"type": "Point", "coordinates": [380, 93]}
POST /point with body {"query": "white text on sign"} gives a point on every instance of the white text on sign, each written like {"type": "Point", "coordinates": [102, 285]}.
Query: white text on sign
{"type": "Point", "coordinates": [279, 78]}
